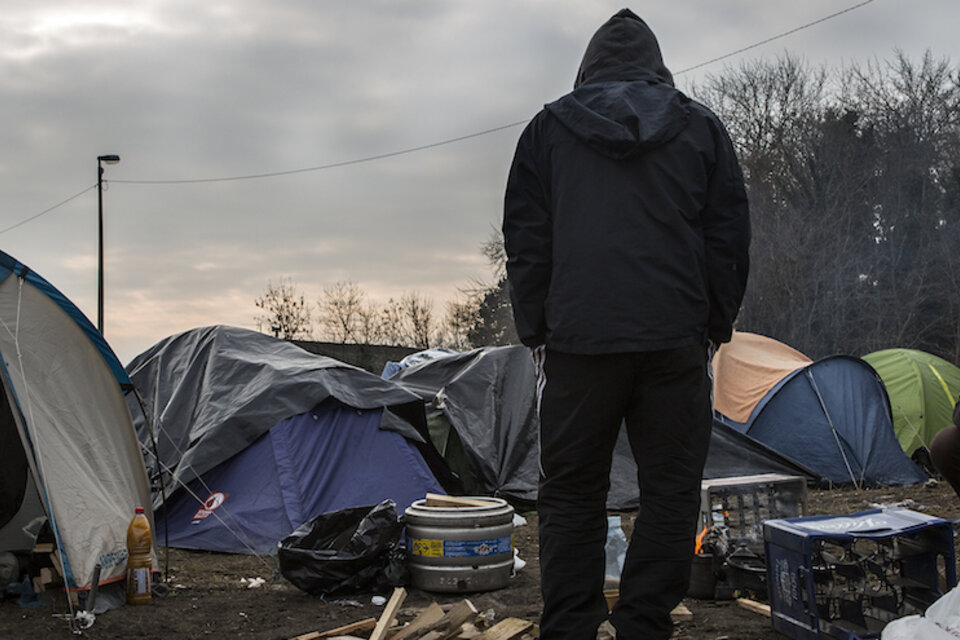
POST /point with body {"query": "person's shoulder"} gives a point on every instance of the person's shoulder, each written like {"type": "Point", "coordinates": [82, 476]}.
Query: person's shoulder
{"type": "Point", "coordinates": [703, 111]}
{"type": "Point", "coordinates": [704, 114]}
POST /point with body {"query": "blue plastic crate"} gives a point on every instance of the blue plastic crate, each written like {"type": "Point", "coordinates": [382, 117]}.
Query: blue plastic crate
{"type": "Point", "coordinates": [845, 577]}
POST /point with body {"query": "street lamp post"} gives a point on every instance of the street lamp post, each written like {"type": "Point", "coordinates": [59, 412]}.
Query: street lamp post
{"type": "Point", "coordinates": [108, 159]}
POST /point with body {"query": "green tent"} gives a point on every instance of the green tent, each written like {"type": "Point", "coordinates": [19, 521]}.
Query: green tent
{"type": "Point", "coordinates": [923, 390]}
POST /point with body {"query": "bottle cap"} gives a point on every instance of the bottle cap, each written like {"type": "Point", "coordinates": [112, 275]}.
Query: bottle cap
{"type": "Point", "coordinates": [139, 510]}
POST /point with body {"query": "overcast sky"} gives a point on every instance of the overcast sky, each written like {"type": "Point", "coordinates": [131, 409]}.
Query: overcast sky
{"type": "Point", "coordinates": [192, 90]}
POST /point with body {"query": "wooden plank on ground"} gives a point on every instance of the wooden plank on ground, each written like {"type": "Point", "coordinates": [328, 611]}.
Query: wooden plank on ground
{"type": "Point", "coordinates": [506, 629]}
{"type": "Point", "coordinates": [389, 611]}
{"type": "Point", "coordinates": [361, 625]}
{"type": "Point", "coordinates": [681, 613]}
{"type": "Point", "coordinates": [449, 625]}
{"type": "Point", "coordinates": [753, 605]}
{"type": "Point", "coordinates": [440, 500]}
{"type": "Point", "coordinates": [468, 631]}
{"type": "Point", "coordinates": [431, 614]}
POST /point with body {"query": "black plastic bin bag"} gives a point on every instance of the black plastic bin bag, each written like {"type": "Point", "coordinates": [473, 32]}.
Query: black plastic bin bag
{"type": "Point", "coordinates": [346, 551]}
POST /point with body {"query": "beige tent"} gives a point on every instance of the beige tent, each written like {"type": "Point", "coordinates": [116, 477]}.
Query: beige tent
{"type": "Point", "coordinates": [747, 368]}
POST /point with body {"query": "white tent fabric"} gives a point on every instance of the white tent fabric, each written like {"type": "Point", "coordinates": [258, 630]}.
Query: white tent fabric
{"type": "Point", "coordinates": [77, 432]}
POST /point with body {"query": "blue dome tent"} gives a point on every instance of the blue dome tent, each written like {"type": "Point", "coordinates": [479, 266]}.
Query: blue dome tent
{"type": "Point", "coordinates": [833, 416]}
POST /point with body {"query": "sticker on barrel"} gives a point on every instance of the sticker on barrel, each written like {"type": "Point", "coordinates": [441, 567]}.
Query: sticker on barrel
{"type": "Point", "coordinates": [435, 548]}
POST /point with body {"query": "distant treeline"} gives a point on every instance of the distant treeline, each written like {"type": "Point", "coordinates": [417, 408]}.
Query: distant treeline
{"type": "Point", "coordinates": [854, 183]}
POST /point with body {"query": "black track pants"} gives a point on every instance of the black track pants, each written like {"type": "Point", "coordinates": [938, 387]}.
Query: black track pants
{"type": "Point", "coordinates": [664, 399]}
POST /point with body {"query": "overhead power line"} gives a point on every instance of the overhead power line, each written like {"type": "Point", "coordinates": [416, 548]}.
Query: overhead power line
{"type": "Point", "coordinates": [332, 165]}
{"type": "Point", "coordinates": [776, 37]}
{"type": "Point", "coordinates": [45, 211]}
{"type": "Point", "coordinates": [441, 143]}
{"type": "Point", "coordinates": [392, 154]}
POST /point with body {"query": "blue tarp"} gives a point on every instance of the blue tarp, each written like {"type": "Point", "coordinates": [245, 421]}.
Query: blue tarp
{"type": "Point", "coordinates": [324, 460]}
{"type": "Point", "coordinates": [833, 416]}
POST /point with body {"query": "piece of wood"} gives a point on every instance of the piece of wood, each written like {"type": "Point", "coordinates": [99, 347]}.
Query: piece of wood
{"type": "Point", "coordinates": [449, 625]}
{"type": "Point", "coordinates": [389, 611]}
{"type": "Point", "coordinates": [753, 605]}
{"type": "Point", "coordinates": [611, 595]}
{"type": "Point", "coordinates": [468, 631]}
{"type": "Point", "coordinates": [681, 613]}
{"type": "Point", "coordinates": [361, 625]}
{"type": "Point", "coordinates": [43, 547]}
{"type": "Point", "coordinates": [452, 620]}
{"type": "Point", "coordinates": [48, 576]}
{"type": "Point", "coordinates": [506, 629]}
{"type": "Point", "coordinates": [55, 561]}
{"type": "Point", "coordinates": [425, 618]}
{"type": "Point", "coordinates": [440, 500]}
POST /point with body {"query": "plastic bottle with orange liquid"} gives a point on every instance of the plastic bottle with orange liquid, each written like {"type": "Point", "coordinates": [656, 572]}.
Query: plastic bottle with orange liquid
{"type": "Point", "coordinates": [139, 565]}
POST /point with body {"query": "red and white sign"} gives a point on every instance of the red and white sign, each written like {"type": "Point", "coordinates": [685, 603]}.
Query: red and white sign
{"type": "Point", "coordinates": [210, 505]}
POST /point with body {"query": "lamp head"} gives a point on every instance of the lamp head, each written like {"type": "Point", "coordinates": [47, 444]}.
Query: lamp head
{"type": "Point", "coordinates": [110, 159]}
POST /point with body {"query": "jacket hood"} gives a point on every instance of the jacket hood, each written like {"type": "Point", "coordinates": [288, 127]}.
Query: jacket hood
{"type": "Point", "coordinates": [623, 102]}
{"type": "Point", "coordinates": [621, 49]}
{"type": "Point", "coordinates": [623, 119]}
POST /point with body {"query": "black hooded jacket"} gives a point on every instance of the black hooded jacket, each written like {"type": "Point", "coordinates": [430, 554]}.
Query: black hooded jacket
{"type": "Point", "coordinates": [626, 223]}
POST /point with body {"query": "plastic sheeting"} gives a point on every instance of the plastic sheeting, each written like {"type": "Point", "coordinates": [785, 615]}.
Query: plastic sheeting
{"type": "Point", "coordinates": [489, 397]}
{"type": "Point", "coordinates": [211, 392]}
{"type": "Point", "coordinates": [346, 551]}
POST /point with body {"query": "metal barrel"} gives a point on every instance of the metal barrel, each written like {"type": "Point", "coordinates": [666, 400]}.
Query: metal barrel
{"type": "Point", "coordinates": [460, 548]}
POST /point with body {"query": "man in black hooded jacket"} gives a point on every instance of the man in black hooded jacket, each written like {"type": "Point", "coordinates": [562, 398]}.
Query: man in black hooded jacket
{"type": "Point", "coordinates": [627, 231]}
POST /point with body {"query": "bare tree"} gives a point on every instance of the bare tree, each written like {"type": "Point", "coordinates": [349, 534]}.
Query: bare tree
{"type": "Point", "coordinates": [418, 319]}
{"type": "Point", "coordinates": [461, 317]}
{"type": "Point", "coordinates": [342, 312]}
{"type": "Point", "coordinates": [285, 313]}
{"type": "Point", "coordinates": [392, 322]}
{"type": "Point", "coordinates": [854, 201]}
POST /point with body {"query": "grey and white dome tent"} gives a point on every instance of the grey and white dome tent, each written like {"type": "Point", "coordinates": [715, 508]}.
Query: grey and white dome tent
{"type": "Point", "coordinates": [68, 448]}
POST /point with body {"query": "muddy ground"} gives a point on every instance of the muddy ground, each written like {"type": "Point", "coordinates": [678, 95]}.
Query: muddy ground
{"type": "Point", "coordinates": [208, 599]}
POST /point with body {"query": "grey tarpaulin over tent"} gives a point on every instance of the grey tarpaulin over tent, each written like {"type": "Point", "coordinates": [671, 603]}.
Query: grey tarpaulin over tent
{"type": "Point", "coordinates": [488, 396]}
{"type": "Point", "coordinates": [211, 392]}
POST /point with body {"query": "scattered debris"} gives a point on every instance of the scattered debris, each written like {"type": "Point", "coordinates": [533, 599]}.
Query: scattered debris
{"type": "Point", "coordinates": [85, 619]}
{"type": "Point", "coordinates": [457, 621]}
{"type": "Point", "coordinates": [753, 605]}
{"type": "Point", "coordinates": [253, 583]}
{"type": "Point", "coordinates": [906, 503]}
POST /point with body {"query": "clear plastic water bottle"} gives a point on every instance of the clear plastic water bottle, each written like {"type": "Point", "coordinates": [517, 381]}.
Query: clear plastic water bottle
{"type": "Point", "coordinates": [615, 551]}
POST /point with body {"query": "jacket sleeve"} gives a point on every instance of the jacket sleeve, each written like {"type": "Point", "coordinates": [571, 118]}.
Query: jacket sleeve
{"type": "Point", "coordinates": [528, 239]}
{"type": "Point", "coordinates": [726, 230]}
